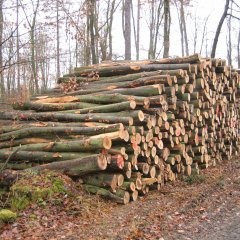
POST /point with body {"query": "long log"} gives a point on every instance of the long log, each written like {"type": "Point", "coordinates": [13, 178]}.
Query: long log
{"type": "Point", "coordinates": [42, 131]}
{"type": "Point", "coordinates": [121, 70]}
{"type": "Point", "coordinates": [40, 157]}
{"type": "Point", "coordinates": [144, 91]}
{"type": "Point", "coordinates": [76, 167]}
{"type": "Point", "coordinates": [25, 116]}
{"type": "Point", "coordinates": [107, 194]}
{"type": "Point", "coordinates": [89, 144]}
{"type": "Point", "coordinates": [115, 107]}
{"type": "Point", "coordinates": [47, 107]}
{"type": "Point", "coordinates": [106, 180]}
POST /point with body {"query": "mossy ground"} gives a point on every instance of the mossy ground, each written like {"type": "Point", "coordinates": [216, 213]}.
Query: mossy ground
{"type": "Point", "coordinates": [7, 216]}
{"type": "Point", "coordinates": [38, 189]}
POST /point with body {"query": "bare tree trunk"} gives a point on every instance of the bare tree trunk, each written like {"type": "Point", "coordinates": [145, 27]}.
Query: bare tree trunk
{"type": "Point", "coordinates": [195, 38]}
{"type": "Point", "coordinates": [167, 22]}
{"type": "Point", "coordinates": [110, 30]}
{"type": "Point", "coordinates": [184, 28]}
{"type": "Point", "coordinates": [91, 28]}
{"type": "Point", "coordinates": [215, 41]}
{"type": "Point", "coordinates": [2, 88]}
{"type": "Point", "coordinates": [238, 48]}
{"type": "Point", "coordinates": [151, 32]}
{"type": "Point", "coordinates": [32, 26]}
{"type": "Point", "coordinates": [87, 36]}
{"type": "Point", "coordinates": [180, 27]}
{"type": "Point", "coordinates": [127, 28]}
{"type": "Point", "coordinates": [229, 38]}
{"type": "Point", "coordinates": [155, 23]}
{"type": "Point", "coordinates": [204, 34]}
{"type": "Point", "coordinates": [18, 54]}
{"type": "Point", "coordinates": [138, 29]}
{"type": "Point", "coordinates": [96, 29]}
{"type": "Point", "coordinates": [58, 41]}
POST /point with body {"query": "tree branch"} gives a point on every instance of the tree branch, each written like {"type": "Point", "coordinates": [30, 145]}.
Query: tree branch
{"type": "Point", "coordinates": [233, 16]}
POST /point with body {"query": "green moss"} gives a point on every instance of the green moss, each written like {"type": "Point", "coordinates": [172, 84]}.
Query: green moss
{"type": "Point", "coordinates": [58, 185]}
{"type": "Point", "coordinates": [7, 216]}
{"type": "Point", "coordinates": [19, 203]}
{"type": "Point", "coordinates": [36, 189]}
{"type": "Point", "coordinates": [194, 179]}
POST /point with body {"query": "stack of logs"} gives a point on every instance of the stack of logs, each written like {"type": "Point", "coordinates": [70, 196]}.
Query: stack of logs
{"type": "Point", "coordinates": [128, 127]}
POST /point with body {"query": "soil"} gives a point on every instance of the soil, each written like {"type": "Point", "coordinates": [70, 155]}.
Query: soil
{"type": "Point", "coordinates": [200, 211]}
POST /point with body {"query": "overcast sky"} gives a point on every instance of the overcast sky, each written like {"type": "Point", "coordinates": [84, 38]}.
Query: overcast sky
{"type": "Point", "coordinates": [203, 9]}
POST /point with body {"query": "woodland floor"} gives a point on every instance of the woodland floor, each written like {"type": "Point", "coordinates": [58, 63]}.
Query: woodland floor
{"type": "Point", "coordinates": [200, 211]}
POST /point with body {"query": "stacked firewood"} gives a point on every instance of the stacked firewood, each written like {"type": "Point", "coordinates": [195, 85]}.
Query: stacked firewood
{"type": "Point", "coordinates": [128, 127]}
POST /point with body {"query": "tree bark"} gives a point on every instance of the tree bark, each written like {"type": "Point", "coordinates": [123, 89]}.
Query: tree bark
{"type": "Point", "coordinates": [43, 131]}
{"type": "Point", "coordinates": [76, 167]}
{"type": "Point", "coordinates": [39, 156]}
{"type": "Point", "coordinates": [219, 27]}
{"type": "Point", "coordinates": [2, 86]}
{"type": "Point", "coordinates": [86, 145]}
{"type": "Point", "coordinates": [238, 49]}
{"type": "Point", "coordinates": [47, 107]}
{"type": "Point", "coordinates": [167, 23]}
{"type": "Point", "coordinates": [127, 28]}
{"type": "Point", "coordinates": [26, 116]}
{"type": "Point", "coordinates": [107, 194]}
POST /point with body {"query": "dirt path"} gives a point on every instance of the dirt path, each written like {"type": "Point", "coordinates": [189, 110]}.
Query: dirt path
{"type": "Point", "coordinates": [210, 210]}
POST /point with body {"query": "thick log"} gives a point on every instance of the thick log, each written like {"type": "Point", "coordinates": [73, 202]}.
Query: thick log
{"type": "Point", "coordinates": [158, 79]}
{"type": "Point", "coordinates": [42, 131]}
{"type": "Point", "coordinates": [24, 141]}
{"type": "Point", "coordinates": [115, 107]}
{"type": "Point", "coordinates": [121, 70]}
{"type": "Point", "coordinates": [106, 180]}
{"type": "Point", "coordinates": [25, 116]}
{"type": "Point", "coordinates": [107, 194]}
{"type": "Point", "coordinates": [40, 157]}
{"type": "Point", "coordinates": [89, 144]}
{"type": "Point", "coordinates": [48, 107]}
{"type": "Point", "coordinates": [76, 167]}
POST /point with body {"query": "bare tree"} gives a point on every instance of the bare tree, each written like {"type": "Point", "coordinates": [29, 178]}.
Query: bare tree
{"type": "Point", "coordinates": [92, 17]}
{"type": "Point", "coordinates": [126, 26]}
{"type": "Point", "coordinates": [204, 33]}
{"type": "Point", "coordinates": [2, 87]}
{"type": "Point", "coordinates": [218, 31]}
{"type": "Point", "coordinates": [32, 25]}
{"type": "Point", "coordinates": [156, 19]}
{"type": "Point", "coordinates": [136, 28]}
{"type": "Point", "coordinates": [238, 49]}
{"type": "Point", "coordinates": [18, 47]}
{"type": "Point", "coordinates": [58, 38]}
{"type": "Point", "coordinates": [167, 24]}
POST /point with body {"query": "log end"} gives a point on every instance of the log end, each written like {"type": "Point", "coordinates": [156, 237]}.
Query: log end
{"type": "Point", "coordinates": [120, 180]}
{"type": "Point", "coordinates": [133, 104]}
{"type": "Point", "coordinates": [102, 162]}
{"type": "Point", "coordinates": [107, 143]}
{"type": "Point", "coordinates": [134, 195]}
{"type": "Point", "coordinates": [126, 197]}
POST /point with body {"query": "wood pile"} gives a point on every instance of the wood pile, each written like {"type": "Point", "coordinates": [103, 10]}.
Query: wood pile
{"type": "Point", "coordinates": [127, 127]}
